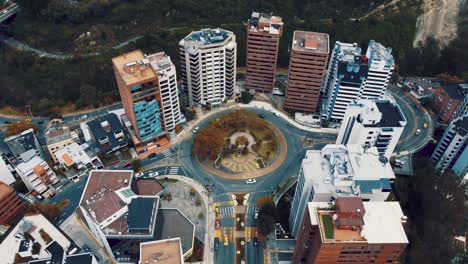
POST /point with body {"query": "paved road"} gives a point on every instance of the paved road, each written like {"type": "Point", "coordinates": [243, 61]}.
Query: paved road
{"type": "Point", "coordinates": [416, 116]}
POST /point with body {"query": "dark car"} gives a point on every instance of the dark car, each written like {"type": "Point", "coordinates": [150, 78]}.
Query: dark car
{"type": "Point", "coordinates": [261, 115]}
{"type": "Point", "coordinates": [255, 242]}
{"type": "Point", "coordinates": [152, 155]}
{"type": "Point", "coordinates": [126, 165]}
{"type": "Point", "coordinates": [7, 122]}
{"type": "Point", "coordinates": [216, 243]}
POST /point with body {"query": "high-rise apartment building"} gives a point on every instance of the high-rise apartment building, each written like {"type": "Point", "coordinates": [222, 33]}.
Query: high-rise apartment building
{"type": "Point", "coordinates": [452, 151]}
{"type": "Point", "coordinates": [352, 76]}
{"type": "Point", "coordinates": [451, 101]}
{"type": "Point", "coordinates": [148, 88]}
{"type": "Point", "coordinates": [307, 67]}
{"type": "Point", "coordinates": [340, 171]}
{"type": "Point", "coordinates": [351, 231]}
{"type": "Point", "coordinates": [208, 66]}
{"type": "Point", "coordinates": [263, 34]}
{"type": "Point", "coordinates": [372, 123]}
{"type": "Point", "coordinates": [11, 205]}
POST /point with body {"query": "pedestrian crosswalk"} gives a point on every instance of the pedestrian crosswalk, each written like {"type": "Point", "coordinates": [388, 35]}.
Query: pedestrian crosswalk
{"type": "Point", "coordinates": [226, 210]}
{"type": "Point", "coordinates": [174, 170]}
{"type": "Point", "coordinates": [251, 210]}
{"type": "Point", "coordinates": [167, 152]}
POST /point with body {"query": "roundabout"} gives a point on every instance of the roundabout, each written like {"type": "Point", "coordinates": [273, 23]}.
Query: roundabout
{"type": "Point", "coordinates": [240, 145]}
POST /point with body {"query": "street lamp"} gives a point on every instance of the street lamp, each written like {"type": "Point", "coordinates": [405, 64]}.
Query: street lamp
{"type": "Point", "coordinates": [29, 110]}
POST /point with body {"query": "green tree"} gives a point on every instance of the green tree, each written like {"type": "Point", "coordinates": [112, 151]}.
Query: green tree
{"type": "Point", "coordinates": [136, 165]}
{"type": "Point", "coordinates": [87, 95]}
{"type": "Point", "coordinates": [246, 97]}
{"type": "Point", "coordinates": [267, 216]}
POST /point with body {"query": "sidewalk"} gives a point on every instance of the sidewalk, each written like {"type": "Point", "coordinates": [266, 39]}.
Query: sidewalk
{"type": "Point", "coordinates": [208, 256]}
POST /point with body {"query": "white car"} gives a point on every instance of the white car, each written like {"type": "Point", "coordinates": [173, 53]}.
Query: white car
{"type": "Point", "coordinates": [152, 174]}
{"type": "Point", "coordinates": [195, 130]}
{"type": "Point", "coordinates": [418, 132]}
{"type": "Point", "coordinates": [139, 174]}
{"type": "Point", "coordinates": [250, 181]}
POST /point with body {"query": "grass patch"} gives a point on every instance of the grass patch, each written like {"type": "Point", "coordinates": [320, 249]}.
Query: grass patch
{"type": "Point", "coordinates": [328, 226]}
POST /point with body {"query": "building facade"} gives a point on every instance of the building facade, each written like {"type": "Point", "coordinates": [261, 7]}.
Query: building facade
{"type": "Point", "coordinates": [352, 76]}
{"type": "Point", "coordinates": [24, 146]}
{"type": "Point", "coordinates": [57, 137]}
{"type": "Point", "coordinates": [6, 172]}
{"type": "Point", "coordinates": [208, 66]}
{"type": "Point", "coordinates": [451, 151]}
{"type": "Point", "coordinates": [36, 174]}
{"type": "Point", "coordinates": [107, 132]}
{"type": "Point", "coordinates": [340, 171]}
{"type": "Point", "coordinates": [372, 123]}
{"type": "Point", "coordinates": [11, 205]}
{"type": "Point", "coordinates": [450, 101]}
{"type": "Point", "coordinates": [307, 67]}
{"type": "Point", "coordinates": [263, 35]}
{"type": "Point", "coordinates": [351, 231]}
{"type": "Point", "coordinates": [149, 95]}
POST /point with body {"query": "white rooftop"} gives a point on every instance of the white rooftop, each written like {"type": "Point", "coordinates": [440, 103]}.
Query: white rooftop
{"type": "Point", "coordinates": [5, 174]}
{"type": "Point", "coordinates": [29, 165]}
{"type": "Point", "coordinates": [32, 224]}
{"type": "Point", "coordinates": [383, 223]}
{"type": "Point", "coordinates": [335, 168]}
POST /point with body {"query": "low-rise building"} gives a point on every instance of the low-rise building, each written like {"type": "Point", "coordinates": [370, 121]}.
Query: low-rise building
{"type": "Point", "coordinates": [11, 205]}
{"type": "Point", "coordinates": [351, 231]}
{"type": "Point", "coordinates": [24, 146]}
{"type": "Point", "coordinates": [36, 174]}
{"type": "Point", "coordinates": [373, 123]}
{"type": "Point", "coordinates": [80, 158]}
{"type": "Point", "coordinates": [447, 98]}
{"type": "Point", "coordinates": [108, 133]}
{"type": "Point", "coordinates": [57, 137]}
{"type": "Point", "coordinates": [340, 171]}
{"type": "Point", "coordinates": [451, 151]}
{"type": "Point", "coordinates": [36, 240]}
{"type": "Point", "coordinates": [168, 251]}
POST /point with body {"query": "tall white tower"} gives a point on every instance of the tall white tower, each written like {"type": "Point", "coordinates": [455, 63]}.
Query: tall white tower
{"type": "Point", "coordinates": [208, 62]}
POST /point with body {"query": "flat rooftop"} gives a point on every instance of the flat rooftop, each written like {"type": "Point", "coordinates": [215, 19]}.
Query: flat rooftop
{"type": "Point", "coordinates": [208, 36]}
{"type": "Point", "coordinates": [461, 125]}
{"type": "Point", "coordinates": [339, 169]}
{"type": "Point", "coordinates": [147, 186]}
{"type": "Point", "coordinates": [160, 61]}
{"type": "Point", "coordinates": [133, 68]}
{"type": "Point", "coordinates": [56, 134]}
{"type": "Point", "coordinates": [456, 91]}
{"type": "Point", "coordinates": [100, 198]}
{"type": "Point", "coordinates": [265, 22]}
{"type": "Point", "coordinates": [173, 224]}
{"type": "Point", "coordinates": [375, 50]}
{"type": "Point", "coordinates": [382, 224]}
{"type": "Point", "coordinates": [311, 41]}
{"type": "Point", "coordinates": [168, 251]}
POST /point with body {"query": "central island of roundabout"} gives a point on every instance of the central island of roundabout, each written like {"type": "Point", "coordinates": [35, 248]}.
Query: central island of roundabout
{"type": "Point", "coordinates": [240, 145]}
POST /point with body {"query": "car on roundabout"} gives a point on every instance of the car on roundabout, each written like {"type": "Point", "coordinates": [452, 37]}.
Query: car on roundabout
{"type": "Point", "coordinates": [250, 181]}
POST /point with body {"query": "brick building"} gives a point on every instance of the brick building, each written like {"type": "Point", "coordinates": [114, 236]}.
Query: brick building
{"type": "Point", "coordinates": [11, 204]}
{"type": "Point", "coordinates": [307, 67]}
{"type": "Point", "coordinates": [351, 231]}
{"type": "Point", "coordinates": [263, 34]}
{"type": "Point", "coordinates": [447, 98]}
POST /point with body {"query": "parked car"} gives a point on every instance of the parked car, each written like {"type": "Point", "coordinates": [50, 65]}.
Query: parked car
{"type": "Point", "coordinates": [126, 165]}
{"type": "Point", "coordinates": [37, 195]}
{"type": "Point", "coordinates": [152, 174]}
{"type": "Point", "coordinates": [250, 181]}
{"type": "Point", "coordinates": [226, 240]}
{"type": "Point", "coordinates": [152, 155]}
{"type": "Point", "coordinates": [217, 224]}
{"type": "Point", "coordinates": [195, 130]}
{"type": "Point", "coordinates": [51, 194]}
{"type": "Point", "coordinates": [261, 115]}
{"type": "Point", "coordinates": [216, 243]}
{"type": "Point", "coordinates": [139, 174]}
{"type": "Point", "coordinates": [255, 242]}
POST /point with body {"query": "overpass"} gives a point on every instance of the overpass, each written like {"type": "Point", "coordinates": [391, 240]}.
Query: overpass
{"type": "Point", "coordinates": [8, 11]}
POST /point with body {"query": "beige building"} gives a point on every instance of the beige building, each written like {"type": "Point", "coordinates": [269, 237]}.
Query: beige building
{"type": "Point", "coordinates": [57, 137]}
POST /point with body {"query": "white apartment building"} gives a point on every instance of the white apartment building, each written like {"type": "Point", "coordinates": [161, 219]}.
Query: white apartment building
{"type": "Point", "coordinates": [78, 157]}
{"type": "Point", "coordinates": [352, 76]}
{"type": "Point", "coordinates": [36, 174]}
{"type": "Point", "coordinates": [372, 123]}
{"type": "Point", "coordinates": [340, 171]}
{"type": "Point", "coordinates": [167, 80]}
{"type": "Point", "coordinates": [452, 151]}
{"type": "Point", "coordinates": [6, 174]}
{"type": "Point", "coordinates": [208, 66]}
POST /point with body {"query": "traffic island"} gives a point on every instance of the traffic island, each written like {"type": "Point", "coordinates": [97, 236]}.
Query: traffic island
{"type": "Point", "coordinates": [240, 145]}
